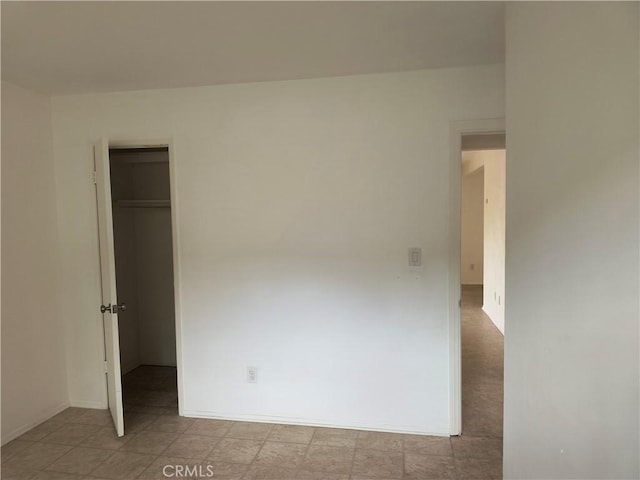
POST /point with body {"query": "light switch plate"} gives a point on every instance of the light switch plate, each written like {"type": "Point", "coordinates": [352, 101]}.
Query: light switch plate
{"type": "Point", "coordinates": [415, 257]}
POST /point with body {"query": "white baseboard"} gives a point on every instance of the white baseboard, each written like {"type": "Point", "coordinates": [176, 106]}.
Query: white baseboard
{"type": "Point", "coordinates": [488, 314]}
{"type": "Point", "coordinates": [36, 421]}
{"type": "Point", "coordinates": [88, 404]}
{"type": "Point", "coordinates": [310, 423]}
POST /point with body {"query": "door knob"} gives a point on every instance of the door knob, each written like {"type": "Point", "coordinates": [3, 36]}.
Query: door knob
{"type": "Point", "coordinates": [113, 308]}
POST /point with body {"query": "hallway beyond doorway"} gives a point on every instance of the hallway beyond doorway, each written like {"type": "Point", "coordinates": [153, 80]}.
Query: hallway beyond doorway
{"type": "Point", "coordinates": [482, 368]}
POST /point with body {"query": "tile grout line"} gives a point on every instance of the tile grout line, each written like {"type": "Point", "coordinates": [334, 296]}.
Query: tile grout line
{"type": "Point", "coordinates": [353, 456]}
{"type": "Point", "coordinates": [306, 451]}
{"type": "Point", "coordinates": [257, 453]}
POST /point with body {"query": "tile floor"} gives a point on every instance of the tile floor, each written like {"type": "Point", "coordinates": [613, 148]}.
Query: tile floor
{"type": "Point", "coordinates": [80, 444]}
{"type": "Point", "coordinates": [482, 368]}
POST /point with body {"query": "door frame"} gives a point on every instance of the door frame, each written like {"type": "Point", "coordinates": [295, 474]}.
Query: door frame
{"type": "Point", "coordinates": [175, 247]}
{"type": "Point", "coordinates": [457, 130]}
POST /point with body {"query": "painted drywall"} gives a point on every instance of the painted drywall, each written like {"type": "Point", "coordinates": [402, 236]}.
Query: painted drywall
{"type": "Point", "coordinates": [144, 261]}
{"type": "Point", "coordinates": [571, 343]}
{"type": "Point", "coordinates": [34, 379]}
{"type": "Point", "coordinates": [155, 287]}
{"type": "Point", "coordinates": [493, 302]}
{"type": "Point", "coordinates": [296, 203]}
{"type": "Point", "coordinates": [472, 217]}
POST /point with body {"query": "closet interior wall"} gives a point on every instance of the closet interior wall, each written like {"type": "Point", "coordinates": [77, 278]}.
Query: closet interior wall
{"type": "Point", "coordinates": [144, 257]}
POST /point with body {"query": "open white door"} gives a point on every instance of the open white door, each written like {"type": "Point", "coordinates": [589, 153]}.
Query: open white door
{"type": "Point", "coordinates": [109, 307]}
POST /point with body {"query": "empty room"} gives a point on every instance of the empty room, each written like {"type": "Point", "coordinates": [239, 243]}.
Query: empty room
{"type": "Point", "coordinates": [320, 240]}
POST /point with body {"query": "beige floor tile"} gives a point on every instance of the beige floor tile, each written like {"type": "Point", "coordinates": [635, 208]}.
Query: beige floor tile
{"type": "Point", "coordinates": [378, 463]}
{"type": "Point", "coordinates": [94, 417]}
{"type": "Point", "coordinates": [224, 471]}
{"type": "Point", "coordinates": [328, 459]}
{"type": "Point", "coordinates": [210, 427]}
{"type": "Point", "coordinates": [10, 449]}
{"type": "Point", "coordinates": [427, 445]}
{"type": "Point", "coordinates": [250, 450]}
{"type": "Point", "coordinates": [428, 467]}
{"type": "Point", "coordinates": [69, 414]}
{"type": "Point", "coordinates": [123, 465]}
{"type": "Point", "coordinates": [34, 457]}
{"type": "Point", "coordinates": [172, 424]}
{"type": "Point", "coordinates": [314, 475]}
{"type": "Point", "coordinates": [291, 434]}
{"type": "Point", "coordinates": [250, 430]}
{"type": "Point", "coordinates": [151, 410]}
{"type": "Point", "coordinates": [482, 368]}
{"type": "Point", "coordinates": [360, 477]}
{"type": "Point", "coordinates": [380, 441]}
{"type": "Point", "coordinates": [335, 437]}
{"type": "Point", "coordinates": [479, 416]}
{"type": "Point", "coordinates": [153, 398]}
{"type": "Point", "coordinates": [135, 422]}
{"type": "Point", "coordinates": [478, 468]}
{"type": "Point", "coordinates": [166, 467]}
{"type": "Point", "coordinates": [17, 473]}
{"type": "Point", "coordinates": [71, 434]}
{"type": "Point", "coordinates": [42, 430]}
{"type": "Point", "coordinates": [45, 475]}
{"type": "Point", "coordinates": [191, 446]}
{"type": "Point", "coordinates": [80, 460]}
{"type": "Point", "coordinates": [106, 438]}
{"type": "Point", "coordinates": [283, 455]}
{"type": "Point", "coordinates": [152, 443]}
{"type": "Point", "coordinates": [233, 450]}
{"type": "Point", "coordinates": [477, 447]}
{"type": "Point", "coordinates": [257, 472]}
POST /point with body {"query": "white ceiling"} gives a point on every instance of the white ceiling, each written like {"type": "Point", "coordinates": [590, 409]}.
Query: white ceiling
{"type": "Point", "coordinates": [76, 47]}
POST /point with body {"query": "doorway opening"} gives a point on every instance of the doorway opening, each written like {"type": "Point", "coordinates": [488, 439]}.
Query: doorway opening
{"type": "Point", "coordinates": [482, 285]}
{"type": "Point", "coordinates": [143, 252]}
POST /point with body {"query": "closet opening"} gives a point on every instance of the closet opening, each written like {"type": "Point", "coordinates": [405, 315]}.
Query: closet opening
{"type": "Point", "coordinates": [143, 247]}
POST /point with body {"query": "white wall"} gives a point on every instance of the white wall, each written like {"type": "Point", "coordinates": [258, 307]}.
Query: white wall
{"type": "Point", "coordinates": [472, 218]}
{"type": "Point", "coordinates": [34, 380]}
{"type": "Point", "coordinates": [296, 203]}
{"type": "Point", "coordinates": [493, 302]}
{"type": "Point", "coordinates": [571, 344]}
{"type": "Point", "coordinates": [157, 328]}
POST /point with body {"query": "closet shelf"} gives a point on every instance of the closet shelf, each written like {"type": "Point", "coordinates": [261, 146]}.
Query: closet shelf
{"type": "Point", "coordinates": [143, 203]}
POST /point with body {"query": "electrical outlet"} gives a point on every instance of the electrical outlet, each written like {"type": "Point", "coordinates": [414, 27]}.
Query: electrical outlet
{"type": "Point", "coordinates": [252, 374]}
{"type": "Point", "coordinates": [415, 257]}
{"type": "Point", "coordinates": [472, 267]}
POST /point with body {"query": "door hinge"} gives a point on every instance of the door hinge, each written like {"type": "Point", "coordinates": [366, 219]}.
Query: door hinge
{"type": "Point", "coordinates": [106, 369]}
{"type": "Point", "coordinates": [95, 182]}
{"type": "Point", "coordinates": [460, 303]}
